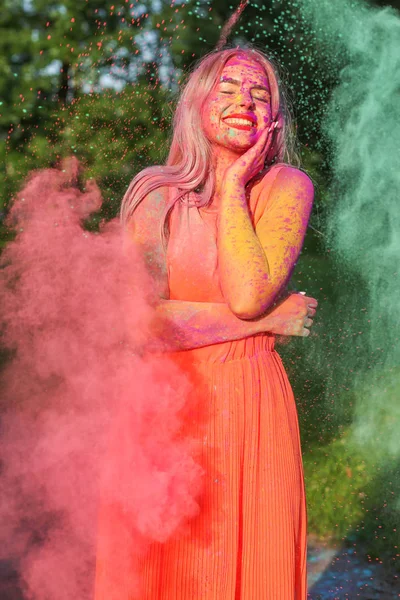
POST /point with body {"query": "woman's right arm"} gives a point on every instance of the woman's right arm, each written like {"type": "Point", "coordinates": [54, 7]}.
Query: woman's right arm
{"type": "Point", "coordinates": [183, 325]}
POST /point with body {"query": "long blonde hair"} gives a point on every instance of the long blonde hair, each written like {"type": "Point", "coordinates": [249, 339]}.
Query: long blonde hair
{"type": "Point", "coordinates": [189, 164]}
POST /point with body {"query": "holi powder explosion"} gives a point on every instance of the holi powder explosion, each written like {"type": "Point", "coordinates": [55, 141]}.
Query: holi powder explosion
{"type": "Point", "coordinates": [76, 317]}
{"type": "Point", "coordinates": [77, 309]}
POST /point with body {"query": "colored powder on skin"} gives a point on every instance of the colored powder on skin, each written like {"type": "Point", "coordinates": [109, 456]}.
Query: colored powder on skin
{"type": "Point", "coordinates": [86, 416]}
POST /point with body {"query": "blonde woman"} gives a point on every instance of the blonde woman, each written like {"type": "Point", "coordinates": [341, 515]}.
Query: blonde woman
{"type": "Point", "coordinates": [221, 226]}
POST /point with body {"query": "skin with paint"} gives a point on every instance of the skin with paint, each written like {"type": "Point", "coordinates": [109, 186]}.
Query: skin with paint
{"type": "Point", "coordinates": [255, 263]}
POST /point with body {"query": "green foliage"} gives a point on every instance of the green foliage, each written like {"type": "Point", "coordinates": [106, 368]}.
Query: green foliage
{"type": "Point", "coordinates": [352, 497]}
{"type": "Point", "coordinates": [115, 135]}
{"type": "Point", "coordinates": [61, 68]}
{"type": "Point", "coordinates": [337, 477]}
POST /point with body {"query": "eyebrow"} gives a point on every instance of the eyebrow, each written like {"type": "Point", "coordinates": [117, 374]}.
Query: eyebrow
{"type": "Point", "coordinates": [236, 82]}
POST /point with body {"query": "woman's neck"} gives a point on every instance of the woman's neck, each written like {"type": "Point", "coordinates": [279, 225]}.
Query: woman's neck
{"type": "Point", "coordinates": [223, 159]}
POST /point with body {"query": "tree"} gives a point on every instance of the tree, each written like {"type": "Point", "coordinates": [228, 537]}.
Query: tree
{"type": "Point", "coordinates": [73, 79]}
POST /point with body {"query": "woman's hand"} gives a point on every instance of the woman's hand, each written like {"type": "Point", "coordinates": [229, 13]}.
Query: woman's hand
{"type": "Point", "coordinates": [292, 316]}
{"type": "Point", "coordinates": [249, 164]}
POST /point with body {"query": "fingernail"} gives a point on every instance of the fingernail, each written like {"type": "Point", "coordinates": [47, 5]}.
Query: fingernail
{"type": "Point", "coordinates": [302, 293]}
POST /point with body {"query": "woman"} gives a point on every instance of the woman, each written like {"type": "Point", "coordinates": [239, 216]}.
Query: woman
{"type": "Point", "coordinates": [221, 227]}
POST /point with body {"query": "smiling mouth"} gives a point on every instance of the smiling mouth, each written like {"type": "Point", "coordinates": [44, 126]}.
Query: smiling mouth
{"type": "Point", "coordinates": [244, 124]}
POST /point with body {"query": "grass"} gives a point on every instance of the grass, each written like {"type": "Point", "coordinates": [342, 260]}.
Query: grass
{"type": "Point", "coordinates": [352, 498]}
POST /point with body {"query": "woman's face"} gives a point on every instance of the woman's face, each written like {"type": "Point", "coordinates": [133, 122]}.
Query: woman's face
{"type": "Point", "coordinates": [238, 109]}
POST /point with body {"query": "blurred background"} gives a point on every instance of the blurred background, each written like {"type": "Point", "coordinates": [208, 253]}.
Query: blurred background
{"type": "Point", "coordinates": [99, 79]}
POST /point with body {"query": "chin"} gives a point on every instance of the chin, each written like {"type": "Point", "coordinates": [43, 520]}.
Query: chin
{"type": "Point", "coordinates": [239, 145]}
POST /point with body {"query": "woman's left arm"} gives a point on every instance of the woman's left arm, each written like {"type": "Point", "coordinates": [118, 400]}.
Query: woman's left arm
{"type": "Point", "coordinates": [256, 263]}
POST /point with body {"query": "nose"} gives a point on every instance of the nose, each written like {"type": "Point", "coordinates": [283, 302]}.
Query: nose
{"type": "Point", "coordinates": [245, 98]}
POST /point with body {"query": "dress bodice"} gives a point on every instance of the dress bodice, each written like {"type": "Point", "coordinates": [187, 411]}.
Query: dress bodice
{"type": "Point", "coordinates": [192, 263]}
{"type": "Point", "coordinates": [192, 255]}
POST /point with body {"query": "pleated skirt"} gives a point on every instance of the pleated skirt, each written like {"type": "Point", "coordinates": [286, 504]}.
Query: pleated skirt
{"type": "Point", "coordinates": [248, 541]}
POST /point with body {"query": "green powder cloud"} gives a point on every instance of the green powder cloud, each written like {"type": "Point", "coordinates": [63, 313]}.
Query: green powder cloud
{"type": "Point", "coordinates": [362, 125]}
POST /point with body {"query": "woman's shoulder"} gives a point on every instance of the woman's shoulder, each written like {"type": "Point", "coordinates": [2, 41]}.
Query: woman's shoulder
{"type": "Point", "coordinates": [281, 177]}
{"type": "Point", "coordinates": [151, 206]}
{"type": "Point", "coordinates": [144, 225]}
{"type": "Point", "coordinates": [283, 172]}
{"type": "Point", "coordinates": [156, 200]}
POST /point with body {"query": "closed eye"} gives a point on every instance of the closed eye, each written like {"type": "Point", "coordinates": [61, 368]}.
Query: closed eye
{"type": "Point", "coordinates": [261, 99]}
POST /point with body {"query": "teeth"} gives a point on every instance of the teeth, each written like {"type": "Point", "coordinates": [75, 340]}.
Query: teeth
{"type": "Point", "coordinates": [239, 121]}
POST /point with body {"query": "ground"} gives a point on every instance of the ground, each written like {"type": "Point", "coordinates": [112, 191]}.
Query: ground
{"type": "Point", "coordinates": [333, 574]}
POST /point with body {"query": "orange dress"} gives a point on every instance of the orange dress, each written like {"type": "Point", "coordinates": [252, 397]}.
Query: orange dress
{"type": "Point", "coordinates": [248, 541]}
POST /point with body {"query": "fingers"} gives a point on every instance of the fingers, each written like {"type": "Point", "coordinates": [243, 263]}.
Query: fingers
{"type": "Point", "coordinates": [308, 322]}
{"type": "Point", "coordinates": [266, 141]}
{"type": "Point", "coordinates": [262, 146]}
{"type": "Point", "coordinates": [263, 143]}
{"type": "Point", "coordinates": [306, 332]}
{"type": "Point", "coordinates": [274, 125]}
{"type": "Point", "coordinates": [269, 129]}
{"type": "Point", "coordinates": [270, 134]}
{"type": "Point", "coordinates": [311, 302]}
{"type": "Point", "coordinates": [305, 310]}
{"type": "Point", "coordinates": [266, 136]}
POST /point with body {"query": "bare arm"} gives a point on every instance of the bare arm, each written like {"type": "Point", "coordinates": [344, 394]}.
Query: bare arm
{"type": "Point", "coordinates": [256, 263]}
{"type": "Point", "coordinates": [181, 325]}
{"type": "Point", "coordinates": [242, 262]}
